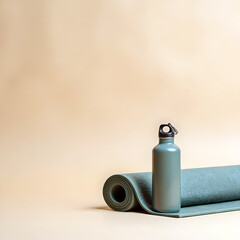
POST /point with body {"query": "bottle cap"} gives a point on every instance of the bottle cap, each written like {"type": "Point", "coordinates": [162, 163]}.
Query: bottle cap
{"type": "Point", "coordinates": [171, 132]}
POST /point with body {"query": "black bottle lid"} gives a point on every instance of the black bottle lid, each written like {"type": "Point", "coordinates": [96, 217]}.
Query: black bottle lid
{"type": "Point", "coordinates": [171, 132]}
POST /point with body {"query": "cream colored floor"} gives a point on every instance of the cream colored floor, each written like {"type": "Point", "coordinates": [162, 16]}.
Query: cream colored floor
{"type": "Point", "coordinates": [93, 220]}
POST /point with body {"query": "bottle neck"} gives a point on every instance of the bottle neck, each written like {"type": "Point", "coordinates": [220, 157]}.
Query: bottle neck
{"type": "Point", "coordinates": [166, 140]}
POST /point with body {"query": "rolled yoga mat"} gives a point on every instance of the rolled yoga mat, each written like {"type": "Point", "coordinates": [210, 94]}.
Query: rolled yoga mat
{"type": "Point", "coordinates": [203, 191]}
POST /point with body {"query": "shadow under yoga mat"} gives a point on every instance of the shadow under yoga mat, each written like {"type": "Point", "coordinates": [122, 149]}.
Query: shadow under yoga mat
{"type": "Point", "coordinates": [203, 191]}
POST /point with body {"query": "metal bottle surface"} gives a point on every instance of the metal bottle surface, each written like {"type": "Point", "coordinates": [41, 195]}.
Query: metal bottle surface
{"type": "Point", "coordinates": [166, 172]}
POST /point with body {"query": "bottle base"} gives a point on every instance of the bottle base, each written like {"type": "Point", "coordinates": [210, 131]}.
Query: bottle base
{"type": "Point", "coordinates": [166, 210]}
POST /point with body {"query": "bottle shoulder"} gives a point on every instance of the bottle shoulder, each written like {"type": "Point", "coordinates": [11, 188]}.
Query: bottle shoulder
{"type": "Point", "coordinates": [166, 147]}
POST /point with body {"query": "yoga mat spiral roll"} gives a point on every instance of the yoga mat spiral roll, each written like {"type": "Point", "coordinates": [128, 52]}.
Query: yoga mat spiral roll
{"type": "Point", "coordinates": [203, 191]}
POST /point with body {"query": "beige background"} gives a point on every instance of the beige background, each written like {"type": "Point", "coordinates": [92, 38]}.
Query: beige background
{"type": "Point", "coordinates": [84, 86]}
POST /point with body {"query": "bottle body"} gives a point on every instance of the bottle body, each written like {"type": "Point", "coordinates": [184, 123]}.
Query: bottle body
{"type": "Point", "coordinates": [166, 176]}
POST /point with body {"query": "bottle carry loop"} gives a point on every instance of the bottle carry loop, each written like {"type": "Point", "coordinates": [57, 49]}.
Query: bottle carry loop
{"type": "Point", "coordinates": [171, 133]}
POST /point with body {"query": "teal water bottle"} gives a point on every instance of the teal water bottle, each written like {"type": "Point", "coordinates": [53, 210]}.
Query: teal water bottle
{"type": "Point", "coordinates": [166, 172]}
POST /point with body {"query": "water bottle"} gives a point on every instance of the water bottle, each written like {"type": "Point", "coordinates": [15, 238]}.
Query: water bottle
{"type": "Point", "coordinates": [166, 172]}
